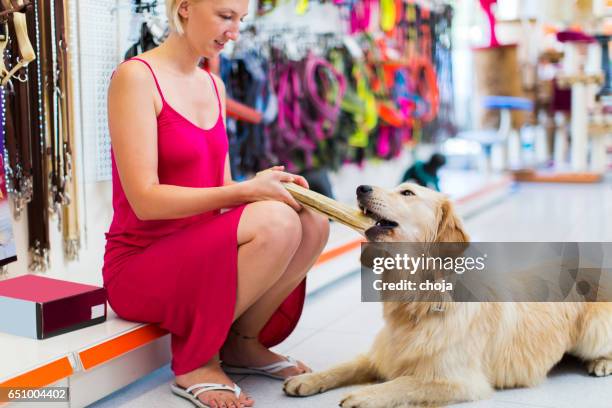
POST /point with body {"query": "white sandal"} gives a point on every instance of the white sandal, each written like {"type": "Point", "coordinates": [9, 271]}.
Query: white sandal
{"type": "Point", "coordinates": [189, 394]}
{"type": "Point", "coordinates": [267, 370]}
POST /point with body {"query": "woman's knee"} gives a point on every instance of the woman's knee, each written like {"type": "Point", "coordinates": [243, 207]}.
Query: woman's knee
{"type": "Point", "coordinates": [273, 224]}
{"type": "Point", "coordinates": [315, 228]}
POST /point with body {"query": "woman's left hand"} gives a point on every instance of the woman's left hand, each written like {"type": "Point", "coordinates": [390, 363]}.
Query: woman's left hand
{"type": "Point", "coordinates": [299, 180]}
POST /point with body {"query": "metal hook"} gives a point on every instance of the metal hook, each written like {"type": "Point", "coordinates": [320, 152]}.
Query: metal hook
{"type": "Point", "coordinates": [10, 86]}
{"type": "Point", "coordinates": [23, 77]}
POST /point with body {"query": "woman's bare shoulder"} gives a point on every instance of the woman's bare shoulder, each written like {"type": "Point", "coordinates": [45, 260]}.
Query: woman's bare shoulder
{"type": "Point", "coordinates": [132, 92]}
{"type": "Point", "coordinates": [132, 76]}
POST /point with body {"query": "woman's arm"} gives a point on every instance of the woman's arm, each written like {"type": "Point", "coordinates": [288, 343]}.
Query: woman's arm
{"type": "Point", "coordinates": [133, 129]}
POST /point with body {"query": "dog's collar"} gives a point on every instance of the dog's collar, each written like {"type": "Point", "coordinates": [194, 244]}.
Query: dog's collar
{"type": "Point", "coordinates": [437, 308]}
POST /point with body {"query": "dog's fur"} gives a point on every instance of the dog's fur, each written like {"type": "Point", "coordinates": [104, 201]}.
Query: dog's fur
{"type": "Point", "coordinates": [423, 357]}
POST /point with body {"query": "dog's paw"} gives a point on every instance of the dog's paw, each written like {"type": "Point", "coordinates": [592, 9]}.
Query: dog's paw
{"type": "Point", "coordinates": [304, 385]}
{"type": "Point", "coordinates": [362, 400]}
{"type": "Point", "coordinates": [600, 368]}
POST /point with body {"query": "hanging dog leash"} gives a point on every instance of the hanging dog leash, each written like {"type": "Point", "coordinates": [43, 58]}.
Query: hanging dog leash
{"type": "Point", "coordinates": [38, 213]}
{"type": "Point", "coordinates": [423, 71]}
{"type": "Point", "coordinates": [318, 72]}
{"type": "Point", "coordinates": [51, 94]}
{"type": "Point", "coordinates": [358, 103]}
{"type": "Point", "coordinates": [388, 15]}
{"type": "Point", "coordinates": [307, 114]}
{"type": "Point", "coordinates": [70, 216]}
{"type": "Point", "coordinates": [444, 123]}
{"type": "Point", "coordinates": [290, 143]}
{"type": "Point", "coordinates": [17, 120]}
{"type": "Point", "coordinates": [61, 80]}
{"type": "Point", "coordinates": [246, 79]}
{"type": "Point", "coordinates": [25, 127]}
{"type": "Point", "coordinates": [360, 16]}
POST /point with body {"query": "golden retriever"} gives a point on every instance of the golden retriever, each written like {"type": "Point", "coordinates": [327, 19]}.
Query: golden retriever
{"type": "Point", "coordinates": [429, 356]}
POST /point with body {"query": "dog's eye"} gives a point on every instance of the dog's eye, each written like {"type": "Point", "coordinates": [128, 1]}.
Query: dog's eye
{"type": "Point", "coordinates": [407, 193]}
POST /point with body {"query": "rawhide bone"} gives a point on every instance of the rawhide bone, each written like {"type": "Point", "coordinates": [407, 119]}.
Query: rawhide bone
{"type": "Point", "coordinates": [342, 213]}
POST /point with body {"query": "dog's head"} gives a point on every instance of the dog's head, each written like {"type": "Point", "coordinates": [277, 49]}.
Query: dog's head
{"type": "Point", "coordinates": [410, 213]}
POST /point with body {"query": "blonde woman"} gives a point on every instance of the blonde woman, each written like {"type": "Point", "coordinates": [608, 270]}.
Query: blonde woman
{"type": "Point", "coordinates": [226, 284]}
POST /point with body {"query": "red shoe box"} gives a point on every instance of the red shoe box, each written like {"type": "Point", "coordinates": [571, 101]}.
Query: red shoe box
{"type": "Point", "coordinates": [39, 307]}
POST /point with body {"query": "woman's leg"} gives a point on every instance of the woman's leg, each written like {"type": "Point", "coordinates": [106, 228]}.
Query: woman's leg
{"type": "Point", "coordinates": [249, 352]}
{"type": "Point", "coordinates": [269, 234]}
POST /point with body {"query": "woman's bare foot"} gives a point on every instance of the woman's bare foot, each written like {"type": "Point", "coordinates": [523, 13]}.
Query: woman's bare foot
{"type": "Point", "coordinates": [212, 373]}
{"type": "Point", "coordinates": [240, 352]}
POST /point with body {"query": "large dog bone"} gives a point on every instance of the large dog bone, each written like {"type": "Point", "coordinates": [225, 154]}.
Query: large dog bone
{"type": "Point", "coordinates": [344, 214]}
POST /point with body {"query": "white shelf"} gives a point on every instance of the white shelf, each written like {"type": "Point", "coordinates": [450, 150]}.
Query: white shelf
{"type": "Point", "coordinates": [20, 354]}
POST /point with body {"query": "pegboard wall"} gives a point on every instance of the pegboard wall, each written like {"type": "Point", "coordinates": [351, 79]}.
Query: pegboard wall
{"type": "Point", "coordinates": [103, 30]}
{"type": "Point", "coordinates": [73, 51]}
{"type": "Point", "coordinates": [98, 55]}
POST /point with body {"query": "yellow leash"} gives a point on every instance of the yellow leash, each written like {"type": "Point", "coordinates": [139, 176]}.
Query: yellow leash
{"type": "Point", "coordinates": [301, 7]}
{"type": "Point", "coordinates": [387, 15]}
{"type": "Point", "coordinates": [367, 117]}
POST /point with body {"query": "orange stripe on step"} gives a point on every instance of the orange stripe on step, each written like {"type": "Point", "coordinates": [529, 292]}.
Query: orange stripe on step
{"type": "Point", "coordinates": [342, 249]}
{"type": "Point", "coordinates": [119, 345]}
{"type": "Point", "coordinates": [42, 376]}
{"type": "Point", "coordinates": [577, 177]}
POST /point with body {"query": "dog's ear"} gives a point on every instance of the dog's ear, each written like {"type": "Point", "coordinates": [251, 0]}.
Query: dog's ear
{"type": "Point", "coordinates": [450, 228]}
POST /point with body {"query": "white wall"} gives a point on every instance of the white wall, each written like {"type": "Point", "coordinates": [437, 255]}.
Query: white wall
{"type": "Point", "coordinates": [94, 222]}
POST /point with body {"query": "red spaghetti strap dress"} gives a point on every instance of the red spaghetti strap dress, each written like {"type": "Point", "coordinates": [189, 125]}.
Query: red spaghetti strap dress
{"type": "Point", "coordinates": [182, 274]}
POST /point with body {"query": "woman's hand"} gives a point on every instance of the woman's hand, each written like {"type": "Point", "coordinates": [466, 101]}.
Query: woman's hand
{"type": "Point", "coordinates": [267, 185]}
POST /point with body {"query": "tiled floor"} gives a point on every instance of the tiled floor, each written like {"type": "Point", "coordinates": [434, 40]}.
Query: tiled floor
{"type": "Point", "coordinates": [336, 326]}
{"type": "Point", "coordinates": [345, 329]}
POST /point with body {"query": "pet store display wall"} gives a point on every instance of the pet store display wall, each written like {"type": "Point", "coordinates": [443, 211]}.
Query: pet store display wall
{"type": "Point", "coordinates": [384, 75]}
{"type": "Point", "coordinates": [101, 32]}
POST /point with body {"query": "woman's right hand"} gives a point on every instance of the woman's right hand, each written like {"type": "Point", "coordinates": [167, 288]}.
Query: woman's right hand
{"type": "Point", "coordinates": [267, 185]}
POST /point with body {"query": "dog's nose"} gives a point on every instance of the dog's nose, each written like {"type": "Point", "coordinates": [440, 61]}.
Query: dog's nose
{"type": "Point", "coordinates": [363, 190]}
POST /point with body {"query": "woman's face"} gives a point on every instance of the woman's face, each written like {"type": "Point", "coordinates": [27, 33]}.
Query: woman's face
{"type": "Point", "coordinates": [209, 24]}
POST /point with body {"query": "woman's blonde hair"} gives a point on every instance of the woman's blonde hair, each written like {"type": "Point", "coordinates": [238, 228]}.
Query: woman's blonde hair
{"type": "Point", "coordinates": [175, 21]}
